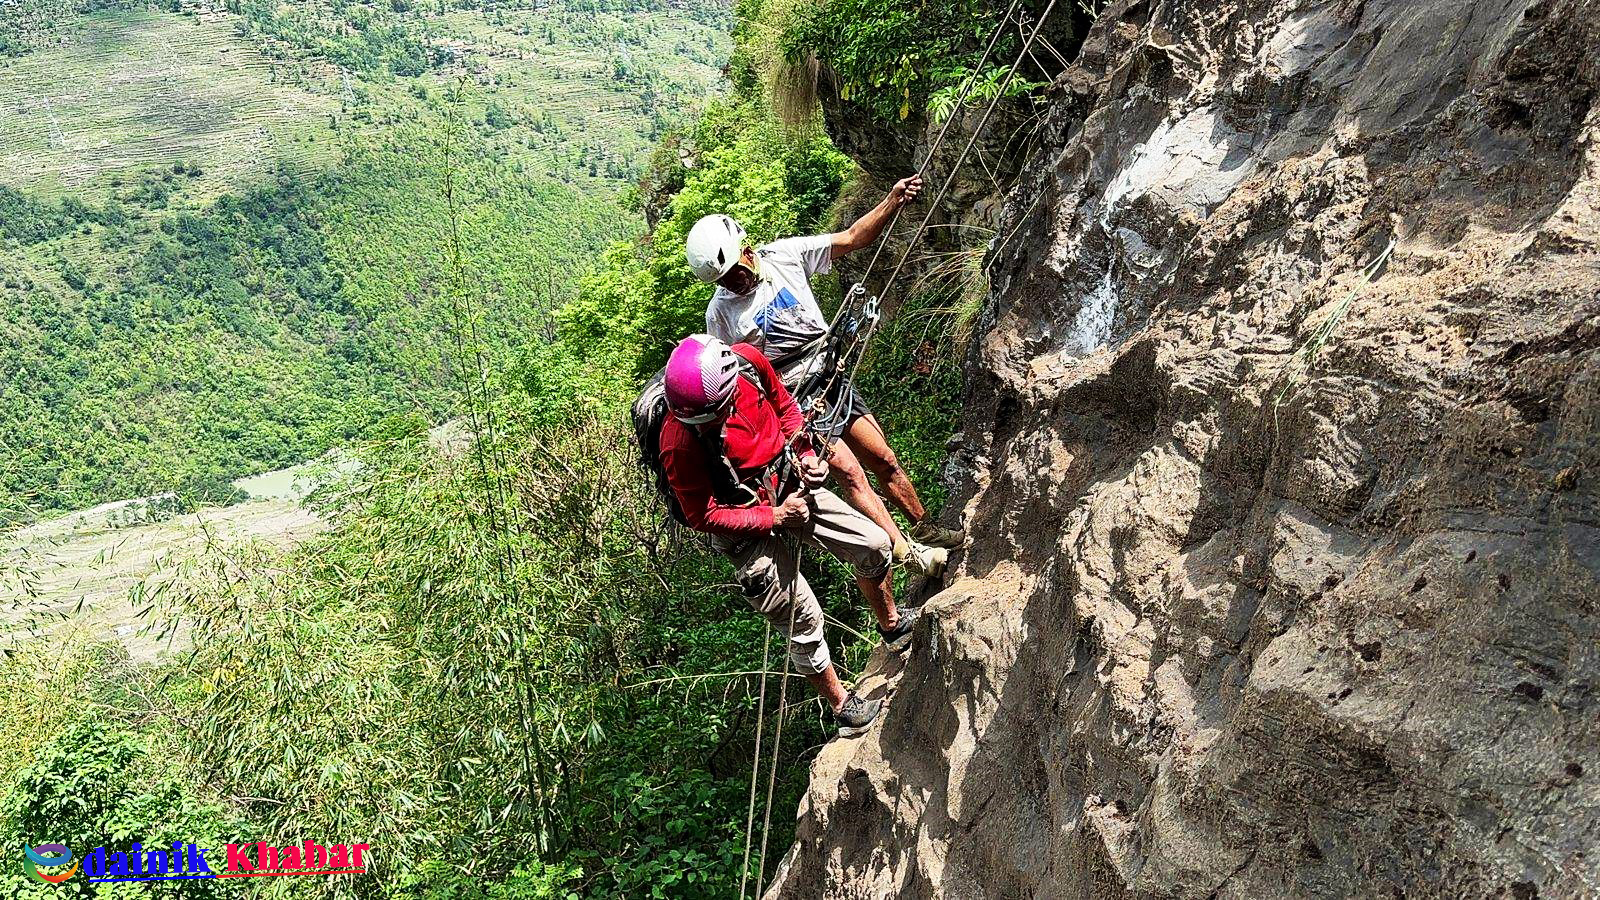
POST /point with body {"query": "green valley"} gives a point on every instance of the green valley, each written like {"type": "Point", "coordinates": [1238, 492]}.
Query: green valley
{"type": "Point", "coordinates": [222, 228]}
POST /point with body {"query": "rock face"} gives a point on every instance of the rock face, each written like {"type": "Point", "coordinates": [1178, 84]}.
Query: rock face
{"type": "Point", "coordinates": [1283, 581]}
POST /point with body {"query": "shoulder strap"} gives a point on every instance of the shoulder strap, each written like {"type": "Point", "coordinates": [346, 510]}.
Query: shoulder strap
{"type": "Point", "coordinates": [750, 370]}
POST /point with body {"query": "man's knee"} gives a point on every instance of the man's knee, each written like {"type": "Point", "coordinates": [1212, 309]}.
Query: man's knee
{"type": "Point", "coordinates": [871, 448]}
{"type": "Point", "coordinates": [847, 471]}
{"type": "Point", "coordinates": [810, 657]}
{"type": "Point", "coordinates": [886, 466]}
{"type": "Point", "coordinates": [877, 554]}
{"type": "Point", "coordinates": [808, 649]}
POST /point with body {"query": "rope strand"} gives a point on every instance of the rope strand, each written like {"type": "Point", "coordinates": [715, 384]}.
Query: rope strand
{"type": "Point", "coordinates": [950, 178]}
{"type": "Point", "coordinates": [795, 550]}
{"type": "Point", "coordinates": [755, 761]}
{"type": "Point", "coordinates": [861, 337]}
{"type": "Point", "coordinates": [858, 340]}
{"type": "Point", "coordinates": [966, 91]}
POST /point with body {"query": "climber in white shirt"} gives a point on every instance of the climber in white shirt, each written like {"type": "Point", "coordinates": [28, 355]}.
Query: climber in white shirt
{"type": "Point", "coordinates": [764, 298]}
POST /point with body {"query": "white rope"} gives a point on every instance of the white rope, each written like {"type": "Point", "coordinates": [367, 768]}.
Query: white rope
{"type": "Point", "coordinates": [755, 761]}
{"type": "Point", "coordinates": [783, 699]}
{"type": "Point", "coordinates": [982, 122]}
{"type": "Point", "coordinates": [966, 91]}
{"type": "Point", "coordinates": [796, 552]}
{"type": "Point", "coordinates": [862, 337]}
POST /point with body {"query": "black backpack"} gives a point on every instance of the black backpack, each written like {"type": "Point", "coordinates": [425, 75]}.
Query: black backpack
{"type": "Point", "coordinates": [650, 413]}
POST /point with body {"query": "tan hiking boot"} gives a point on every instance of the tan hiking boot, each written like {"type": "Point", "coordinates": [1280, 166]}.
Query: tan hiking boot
{"type": "Point", "coordinates": [928, 532]}
{"type": "Point", "coordinates": [921, 559]}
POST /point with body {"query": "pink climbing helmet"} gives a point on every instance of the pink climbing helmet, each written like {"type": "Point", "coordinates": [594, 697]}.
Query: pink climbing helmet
{"type": "Point", "coordinates": [701, 375]}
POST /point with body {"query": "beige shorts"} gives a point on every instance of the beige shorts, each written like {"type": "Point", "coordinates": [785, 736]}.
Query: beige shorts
{"type": "Point", "coordinates": [766, 568]}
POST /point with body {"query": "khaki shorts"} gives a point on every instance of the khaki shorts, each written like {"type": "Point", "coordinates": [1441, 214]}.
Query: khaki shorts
{"type": "Point", "coordinates": [766, 568]}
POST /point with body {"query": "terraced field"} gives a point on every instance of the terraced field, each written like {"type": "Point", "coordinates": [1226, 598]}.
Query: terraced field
{"type": "Point", "coordinates": [117, 93]}
{"type": "Point", "coordinates": [124, 91]}
{"type": "Point", "coordinates": [147, 329]}
{"type": "Point", "coordinates": [600, 84]}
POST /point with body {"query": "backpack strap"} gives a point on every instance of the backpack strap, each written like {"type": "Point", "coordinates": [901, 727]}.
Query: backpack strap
{"type": "Point", "coordinates": [749, 370]}
{"type": "Point", "coordinates": [724, 480]}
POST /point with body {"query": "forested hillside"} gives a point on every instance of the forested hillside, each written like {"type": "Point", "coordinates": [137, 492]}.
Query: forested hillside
{"type": "Point", "coordinates": [224, 230]}
{"type": "Point", "coordinates": [1257, 344]}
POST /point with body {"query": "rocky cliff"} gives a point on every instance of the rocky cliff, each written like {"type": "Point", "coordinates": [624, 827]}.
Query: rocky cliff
{"type": "Point", "coordinates": [1284, 576]}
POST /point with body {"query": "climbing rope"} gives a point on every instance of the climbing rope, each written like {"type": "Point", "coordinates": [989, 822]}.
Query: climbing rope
{"type": "Point", "coordinates": [817, 402]}
{"type": "Point", "coordinates": [966, 91]}
{"type": "Point", "coordinates": [761, 718]}
{"type": "Point", "coordinates": [795, 548]}
{"type": "Point", "coordinates": [820, 416]}
{"type": "Point", "coordinates": [777, 732]}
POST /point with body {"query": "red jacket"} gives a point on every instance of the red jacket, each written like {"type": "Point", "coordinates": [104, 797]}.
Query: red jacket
{"type": "Point", "coordinates": [764, 419]}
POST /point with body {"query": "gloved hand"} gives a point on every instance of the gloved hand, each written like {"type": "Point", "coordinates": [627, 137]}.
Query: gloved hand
{"type": "Point", "coordinates": [814, 471]}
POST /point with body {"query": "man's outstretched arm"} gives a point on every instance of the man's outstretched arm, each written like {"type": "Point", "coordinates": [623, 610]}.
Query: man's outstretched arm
{"type": "Point", "coordinates": [868, 228]}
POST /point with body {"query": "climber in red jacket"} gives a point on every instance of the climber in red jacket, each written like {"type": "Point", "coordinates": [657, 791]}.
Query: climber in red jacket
{"type": "Point", "coordinates": [764, 297]}
{"type": "Point", "coordinates": [732, 425]}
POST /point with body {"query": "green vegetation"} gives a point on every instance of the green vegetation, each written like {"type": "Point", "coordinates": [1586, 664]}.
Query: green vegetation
{"type": "Point", "coordinates": [151, 348]}
{"type": "Point", "coordinates": [478, 690]}
{"type": "Point", "coordinates": [356, 36]}
{"type": "Point", "coordinates": [643, 298]}
{"type": "Point", "coordinates": [96, 781]}
{"type": "Point", "coordinates": [28, 24]}
{"type": "Point", "coordinates": [125, 92]}
{"type": "Point", "coordinates": [218, 255]}
{"type": "Point", "coordinates": [495, 665]}
{"type": "Point", "coordinates": [895, 58]}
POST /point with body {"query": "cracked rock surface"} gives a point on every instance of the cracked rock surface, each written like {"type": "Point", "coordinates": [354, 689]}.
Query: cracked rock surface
{"type": "Point", "coordinates": [1283, 580]}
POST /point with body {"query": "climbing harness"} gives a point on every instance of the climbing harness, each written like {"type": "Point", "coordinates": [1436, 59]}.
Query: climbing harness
{"type": "Point", "coordinates": [841, 352]}
{"type": "Point", "coordinates": [819, 395]}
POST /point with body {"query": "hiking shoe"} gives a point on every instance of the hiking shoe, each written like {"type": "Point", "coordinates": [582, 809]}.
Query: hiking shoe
{"type": "Point", "coordinates": [899, 637]}
{"type": "Point", "coordinates": [928, 532]}
{"type": "Point", "coordinates": [857, 715]}
{"type": "Point", "coordinates": [921, 559]}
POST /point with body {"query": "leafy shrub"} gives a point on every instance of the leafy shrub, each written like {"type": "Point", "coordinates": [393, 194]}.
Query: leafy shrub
{"type": "Point", "coordinates": [473, 690]}
{"type": "Point", "coordinates": [643, 298]}
{"type": "Point", "coordinates": [98, 785]}
{"type": "Point", "coordinates": [890, 56]}
{"type": "Point", "coordinates": [533, 880]}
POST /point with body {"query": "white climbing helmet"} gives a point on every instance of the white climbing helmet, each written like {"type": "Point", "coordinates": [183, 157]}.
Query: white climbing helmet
{"type": "Point", "coordinates": [713, 247]}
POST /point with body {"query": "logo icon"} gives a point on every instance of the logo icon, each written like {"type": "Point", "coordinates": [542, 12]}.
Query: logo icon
{"type": "Point", "coordinates": [50, 855]}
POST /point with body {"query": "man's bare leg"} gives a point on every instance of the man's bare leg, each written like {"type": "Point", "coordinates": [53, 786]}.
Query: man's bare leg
{"type": "Point", "coordinates": [827, 684]}
{"type": "Point", "coordinates": [858, 492]}
{"type": "Point", "coordinates": [871, 449]}
{"type": "Point", "coordinates": [880, 595]}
